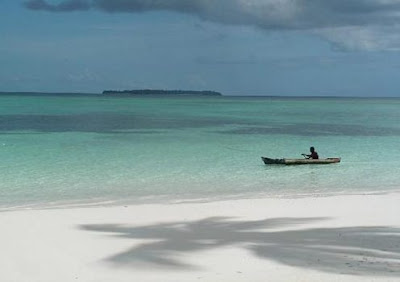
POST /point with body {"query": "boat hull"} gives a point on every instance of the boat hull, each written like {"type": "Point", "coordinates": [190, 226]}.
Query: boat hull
{"type": "Point", "coordinates": [300, 161]}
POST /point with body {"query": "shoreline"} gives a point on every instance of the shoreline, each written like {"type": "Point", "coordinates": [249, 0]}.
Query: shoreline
{"type": "Point", "coordinates": [336, 238]}
{"type": "Point", "coordinates": [170, 200]}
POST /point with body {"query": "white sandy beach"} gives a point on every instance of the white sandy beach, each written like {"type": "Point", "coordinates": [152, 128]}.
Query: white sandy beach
{"type": "Point", "coordinates": [340, 238]}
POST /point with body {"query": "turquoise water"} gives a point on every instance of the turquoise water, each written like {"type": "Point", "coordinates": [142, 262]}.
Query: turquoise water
{"type": "Point", "coordinates": [91, 149]}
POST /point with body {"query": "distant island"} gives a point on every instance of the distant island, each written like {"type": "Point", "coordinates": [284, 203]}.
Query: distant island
{"type": "Point", "coordinates": [147, 92]}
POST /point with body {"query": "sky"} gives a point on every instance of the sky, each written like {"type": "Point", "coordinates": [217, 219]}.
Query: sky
{"type": "Point", "coordinates": [237, 47]}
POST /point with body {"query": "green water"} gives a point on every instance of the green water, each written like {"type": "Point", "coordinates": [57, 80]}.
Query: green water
{"type": "Point", "coordinates": [91, 149]}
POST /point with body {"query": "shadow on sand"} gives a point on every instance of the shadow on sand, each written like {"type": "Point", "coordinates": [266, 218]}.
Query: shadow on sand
{"type": "Point", "coordinates": [351, 250]}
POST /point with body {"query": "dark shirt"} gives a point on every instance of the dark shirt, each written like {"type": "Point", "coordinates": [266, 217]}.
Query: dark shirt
{"type": "Point", "coordinates": [314, 156]}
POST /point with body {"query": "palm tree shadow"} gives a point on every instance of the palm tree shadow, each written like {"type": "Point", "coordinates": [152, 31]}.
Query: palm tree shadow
{"type": "Point", "coordinates": [352, 250]}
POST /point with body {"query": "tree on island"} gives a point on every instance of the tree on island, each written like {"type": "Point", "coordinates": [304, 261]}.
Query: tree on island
{"type": "Point", "coordinates": [161, 92]}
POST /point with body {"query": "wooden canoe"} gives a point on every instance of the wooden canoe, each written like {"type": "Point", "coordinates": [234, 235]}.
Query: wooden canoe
{"type": "Point", "coordinates": [300, 161]}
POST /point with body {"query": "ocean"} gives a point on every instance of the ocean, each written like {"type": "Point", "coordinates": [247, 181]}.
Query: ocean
{"type": "Point", "coordinates": [67, 150]}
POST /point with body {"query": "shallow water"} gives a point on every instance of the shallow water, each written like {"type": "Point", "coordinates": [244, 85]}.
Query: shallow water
{"type": "Point", "coordinates": [88, 149]}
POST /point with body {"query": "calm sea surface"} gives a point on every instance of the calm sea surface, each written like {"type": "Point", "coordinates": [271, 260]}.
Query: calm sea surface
{"type": "Point", "coordinates": [90, 149]}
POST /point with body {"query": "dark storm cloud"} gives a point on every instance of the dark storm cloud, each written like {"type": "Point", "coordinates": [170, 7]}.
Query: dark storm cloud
{"type": "Point", "coordinates": [353, 23]}
{"type": "Point", "coordinates": [263, 13]}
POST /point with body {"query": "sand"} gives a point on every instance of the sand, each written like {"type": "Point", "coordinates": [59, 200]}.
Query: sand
{"type": "Point", "coordinates": [338, 238]}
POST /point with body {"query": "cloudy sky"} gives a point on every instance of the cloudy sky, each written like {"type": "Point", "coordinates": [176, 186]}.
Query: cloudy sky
{"type": "Point", "coordinates": [238, 47]}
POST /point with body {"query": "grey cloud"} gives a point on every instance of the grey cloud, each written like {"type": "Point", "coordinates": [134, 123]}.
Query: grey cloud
{"type": "Point", "coordinates": [65, 6]}
{"type": "Point", "coordinates": [371, 38]}
{"type": "Point", "coordinates": [330, 18]}
{"type": "Point", "coordinates": [263, 13]}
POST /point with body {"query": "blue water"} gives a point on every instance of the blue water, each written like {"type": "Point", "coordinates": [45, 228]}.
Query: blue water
{"type": "Point", "coordinates": [68, 149]}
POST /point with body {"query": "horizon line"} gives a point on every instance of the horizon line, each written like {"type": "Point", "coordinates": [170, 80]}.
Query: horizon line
{"type": "Point", "coordinates": [44, 93]}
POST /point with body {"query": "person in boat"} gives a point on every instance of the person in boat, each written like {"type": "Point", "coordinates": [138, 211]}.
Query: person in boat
{"type": "Point", "coordinates": [313, 155]}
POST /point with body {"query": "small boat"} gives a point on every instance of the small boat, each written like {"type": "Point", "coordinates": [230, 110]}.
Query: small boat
{"type": "Point", "coordinates": [300, 161]}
